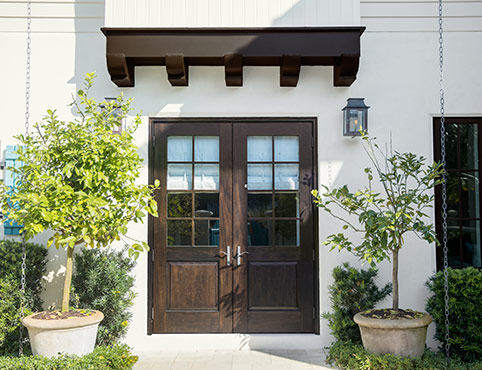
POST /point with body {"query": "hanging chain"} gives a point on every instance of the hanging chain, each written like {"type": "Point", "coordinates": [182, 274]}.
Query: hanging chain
{"type": "Point", "coordinates": [444, 183]}
{"type": "Point", "coordinates": [21, 340]}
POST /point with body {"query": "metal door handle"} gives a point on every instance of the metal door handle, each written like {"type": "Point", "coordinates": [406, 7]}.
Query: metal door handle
{"type": "Point", "coordinates": [227, 254]}
{"type": "Point", "coordinates": [239, 254]}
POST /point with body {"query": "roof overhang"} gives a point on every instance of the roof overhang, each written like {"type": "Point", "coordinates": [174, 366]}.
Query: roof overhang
{"type": "Point", "coordinates": [177, 49]}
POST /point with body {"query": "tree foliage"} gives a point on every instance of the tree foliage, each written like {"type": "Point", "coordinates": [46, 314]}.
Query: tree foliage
{"type": "Point", "coordinates": [384, 217]}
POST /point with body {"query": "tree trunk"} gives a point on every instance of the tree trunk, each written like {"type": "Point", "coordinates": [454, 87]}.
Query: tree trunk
{"type": "Point", "coordinates": [395, 279]}
{"type": "Point", "coordinates": [68, 279]}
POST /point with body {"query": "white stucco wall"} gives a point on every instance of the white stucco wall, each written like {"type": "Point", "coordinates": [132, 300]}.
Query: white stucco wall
{"type": "Point", "coordinates": [398, 77]}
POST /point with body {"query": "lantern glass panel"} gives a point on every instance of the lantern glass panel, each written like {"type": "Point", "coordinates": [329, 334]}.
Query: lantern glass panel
{"type": "Point", "coordinates": [355, 120]}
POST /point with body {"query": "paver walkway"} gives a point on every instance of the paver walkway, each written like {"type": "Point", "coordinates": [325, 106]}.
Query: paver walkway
{"type": "Point", "coordinates": [232, 360]}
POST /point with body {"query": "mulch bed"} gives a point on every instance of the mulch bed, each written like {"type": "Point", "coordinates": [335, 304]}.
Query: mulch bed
{"type": "Point", "coordinates": [389, 314]}
{"type": "Point", "coordinates": [57, 315]}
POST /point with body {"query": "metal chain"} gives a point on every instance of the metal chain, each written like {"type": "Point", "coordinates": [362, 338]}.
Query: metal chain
{"type": "Point", "coordinates": [444, 183]}
{"type": "Point", "coordinates": [21, 340]}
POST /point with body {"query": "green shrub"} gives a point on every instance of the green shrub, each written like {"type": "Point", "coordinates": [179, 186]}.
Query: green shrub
{"type": "Point", "coordinates": [103, 281]}
{"type": "Point", "coordinates": [350, 356]}
{"type": "Point", "coordinates": [10, 292]}
{"type": "Point", "coordinates": [352, 291]}
{"type": "Point", "coordinates": [465, 307]}
{"type": "Point", "coordinates": [117, 357]}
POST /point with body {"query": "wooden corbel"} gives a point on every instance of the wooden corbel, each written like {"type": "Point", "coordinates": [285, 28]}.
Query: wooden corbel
{"type": "Point", "coordinates": [290, 70]}
{"type": "Point", "coordinates": [121, 72]}
{"type": "Point", "coordinates": [233, 69]}
{"type": "Point", "coordinates": [344, 71]}
{"type": "Point", "coordinates": [177, 70]}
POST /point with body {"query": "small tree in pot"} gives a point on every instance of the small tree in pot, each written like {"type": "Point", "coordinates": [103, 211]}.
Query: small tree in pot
{"type": "Point", "coordinates": [78, 179]}
{"type": "Point", "coordinates": [384, 218]}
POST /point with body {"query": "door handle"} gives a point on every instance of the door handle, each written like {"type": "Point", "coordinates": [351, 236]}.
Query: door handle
{"type": "Point", "coordinates": [227, 254]}
{"type": "Point", "coordinates": [239, 254]}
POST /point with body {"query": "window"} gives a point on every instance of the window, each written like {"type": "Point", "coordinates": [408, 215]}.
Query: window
{"type": "Point", "coordinates": [463, 145]}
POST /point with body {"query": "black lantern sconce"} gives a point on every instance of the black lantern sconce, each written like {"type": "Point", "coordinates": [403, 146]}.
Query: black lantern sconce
{"type": "Point", "coordinates": [117, 112]}
{"type": "Point", "coordinates": [355, 117]}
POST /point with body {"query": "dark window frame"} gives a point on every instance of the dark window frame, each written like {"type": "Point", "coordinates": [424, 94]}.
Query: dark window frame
{"type": "Point", "coordinates": [438, 189]}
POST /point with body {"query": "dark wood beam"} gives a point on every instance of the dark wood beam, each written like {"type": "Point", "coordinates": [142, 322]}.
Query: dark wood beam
{"type": "Point", "coordinates": [177, 70]}
{"type": "Point", "coordinates": [233, 69]}
{"type": "Point", "coordinates": [290, 70]}
{"type": "Point", "coordinates": [233, 48]}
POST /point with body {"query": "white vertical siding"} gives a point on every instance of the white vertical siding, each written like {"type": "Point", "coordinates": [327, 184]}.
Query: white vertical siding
{"type": "Point", "coordinates": [231, 13]}
{"type": "Point", "coordinates": [53, 15]}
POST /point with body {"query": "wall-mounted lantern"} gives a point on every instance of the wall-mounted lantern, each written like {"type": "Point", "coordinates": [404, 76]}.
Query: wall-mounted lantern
{"type": "Point", "coordinates": [117, 112]}
{"type": "Point", "coordinates": [355, 117]}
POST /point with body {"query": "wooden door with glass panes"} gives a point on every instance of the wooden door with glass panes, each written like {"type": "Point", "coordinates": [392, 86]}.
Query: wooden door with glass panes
{"type": "Point", "coordinates": [233, 244]}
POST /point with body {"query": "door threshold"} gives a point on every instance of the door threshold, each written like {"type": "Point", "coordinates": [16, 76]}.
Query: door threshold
{"type": "Point", "coordinates": [228, 342]}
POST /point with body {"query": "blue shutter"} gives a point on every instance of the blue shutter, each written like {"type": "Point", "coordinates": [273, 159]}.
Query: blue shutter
{"type": "Point", "coordinates": [11, 160]}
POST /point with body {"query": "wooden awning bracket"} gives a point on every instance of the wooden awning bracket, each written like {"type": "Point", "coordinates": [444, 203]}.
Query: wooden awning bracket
{"type": "Point", "coordinates": [287, 47]}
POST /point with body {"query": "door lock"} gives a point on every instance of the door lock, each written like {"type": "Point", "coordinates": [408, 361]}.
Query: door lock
{"type": "Point", "coordinates": [238, 255]}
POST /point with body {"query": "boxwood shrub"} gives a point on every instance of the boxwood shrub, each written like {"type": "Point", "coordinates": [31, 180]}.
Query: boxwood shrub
{"type": "Point", "coordinates": [352, 356]}
{"type": "Point", "coordinates": [465, 307]}
{"type": "Point", "coordinates": [352, 291]}
{"type": "Point", "coordinates": [116, 357]}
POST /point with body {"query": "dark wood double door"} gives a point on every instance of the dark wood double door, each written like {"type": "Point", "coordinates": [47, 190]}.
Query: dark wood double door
{"type": "Point", "coordinates": [233, 245]}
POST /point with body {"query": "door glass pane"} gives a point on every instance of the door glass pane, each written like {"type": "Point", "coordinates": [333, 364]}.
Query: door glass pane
{"type": "Point", "coordinates": [452, 194]}
{"type": "Point", "coordinates": [206, 148]}
{"type": "Point", "coordinates": [286, 177]}
{"type": "Point", "coordinates": [260, 149]}
{"type": "Point", "coordinates": [179, 148]}
{"type": "Point", "coordinates": [286, 205]}
{"type": "Point", "coordinates": [179, 205]}
{"type": "Point", "coordinates": [453, 243]}
{"type": "Point", "coordinates": [287, 233]}
{"type": "Point", "coordinates": [286, 148]}
{"type": "Point", "coordinates": [471, 243]}
{"type": "Point", "coordinates": [470, 194]}
{"type": "Point", "coordinates": [206, 205]}
{"type": "Point", "coordinates": [179, 232]}
{"type": "Point", "coordinates": [469, 147]}
{"type": "Point", "coordinates": [260, 176]}
{"type": "Point", "coordinates": [206, 176]}
{"type": "Point", "coordinates": [260, 205]}
{"type": "Point", "coordinates": [179, 176]}
{"type": "Point", "coordinates": [259, 232]}
{"type": "Point", "coordinates": [206, 232]}
{"type": "Point", "coordinates": [451, 146]}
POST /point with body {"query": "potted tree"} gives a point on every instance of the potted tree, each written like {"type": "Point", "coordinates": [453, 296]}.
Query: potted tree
{"type": "Point", "coordinates": [383, 217]}
{"type": "Point", "coordinates": [78, 179]}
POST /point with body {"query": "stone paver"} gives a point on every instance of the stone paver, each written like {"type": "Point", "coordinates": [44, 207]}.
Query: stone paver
{"type": "Point", "coordinates": [233, 360]}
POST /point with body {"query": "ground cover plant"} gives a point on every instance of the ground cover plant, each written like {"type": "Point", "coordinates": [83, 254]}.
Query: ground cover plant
{"type": "Point", "coordinates": [350, 356]}
{"type": "Point", "coordinates": [465, 311]}
{"type": "Point", "coordinates": [79, 179]}
{"type": "Point", "coordinates": [10, 292]}
{"type": "Point", "coordinates": [352, 291]}
{"type": "Point", "coordinates": [103, 281]}
{"type": "Point", "coordinates": [116, 357]}
{"type": "Point", "coordinates": [383, 217]}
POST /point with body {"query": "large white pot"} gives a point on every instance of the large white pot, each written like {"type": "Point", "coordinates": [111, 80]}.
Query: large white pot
{"type": "Point", "coordinates": [73, 336]}
{"type": "Point", "coordinates": [402, 337]}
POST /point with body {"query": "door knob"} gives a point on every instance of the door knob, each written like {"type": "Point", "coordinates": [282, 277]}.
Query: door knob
{"type": "Point", "coordinates": [239, 254]}
{"type": "Point", "coordinates": [227, 254]}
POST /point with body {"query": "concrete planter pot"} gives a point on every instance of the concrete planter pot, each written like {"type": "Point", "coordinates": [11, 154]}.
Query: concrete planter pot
{"type": "Point", "coordinates": [403, 337]}
{"type": "Point", "coordinates": [73, 336]}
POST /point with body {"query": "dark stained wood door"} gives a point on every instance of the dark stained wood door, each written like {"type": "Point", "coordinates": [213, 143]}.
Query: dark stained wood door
{"type": "Point", "coordinates": [192, 282]}
{"type": "Point", "coordinates": [273, 288]}
{"type": "Point", "coordinates": [243, 186]}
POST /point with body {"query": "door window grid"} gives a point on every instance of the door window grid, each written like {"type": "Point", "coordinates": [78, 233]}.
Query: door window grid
{"type": "Point", "coordinates": [273, 196]}
{"type": "Point", "coordinates": [192, 206]}
{"type": "Point", "coordinates": [463, 194]}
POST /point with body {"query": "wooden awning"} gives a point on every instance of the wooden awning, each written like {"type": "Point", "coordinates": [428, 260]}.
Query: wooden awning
{"type": "Point", "coordinates": [177, 49]}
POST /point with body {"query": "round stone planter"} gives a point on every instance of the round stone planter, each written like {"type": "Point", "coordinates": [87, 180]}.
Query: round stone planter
{"type": "Point", "coordinates": [73, 336]}
{"type": "Point", "coordinates": [403, 337]}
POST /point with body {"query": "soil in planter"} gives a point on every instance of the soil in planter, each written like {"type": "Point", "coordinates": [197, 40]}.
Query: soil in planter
{"type": "Point", "coordinates": [57, 315]}
{"type": "Point", "coordinates": [390, 314]}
